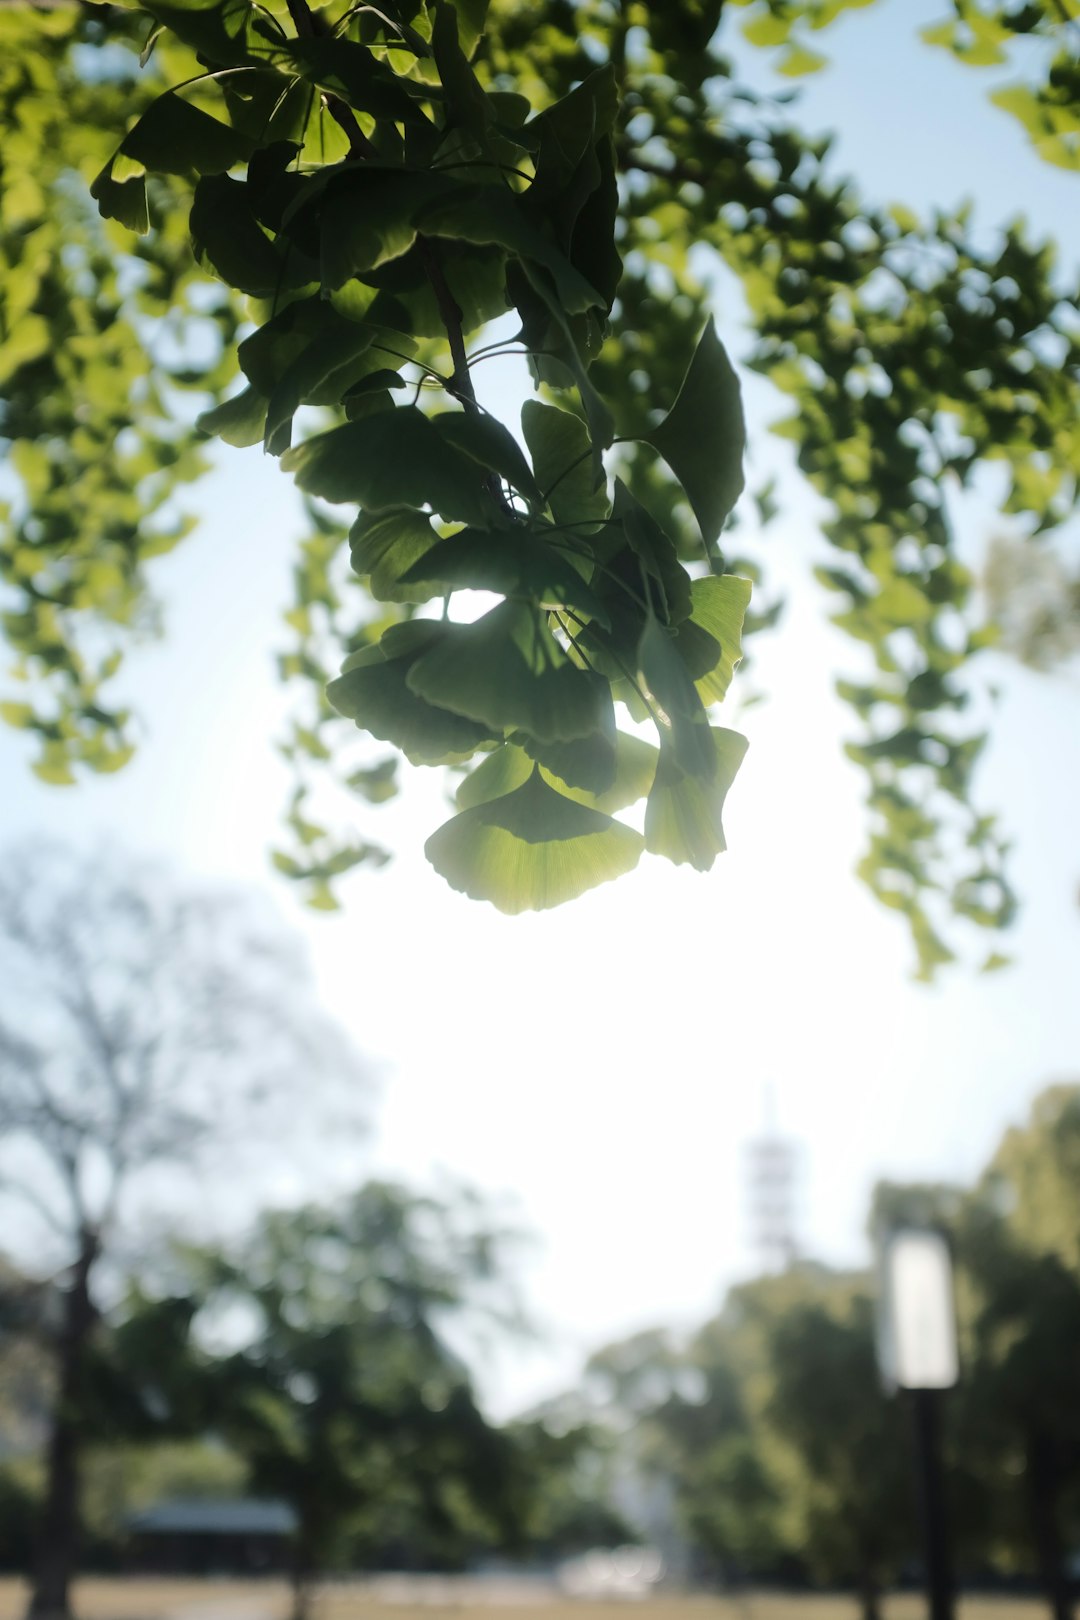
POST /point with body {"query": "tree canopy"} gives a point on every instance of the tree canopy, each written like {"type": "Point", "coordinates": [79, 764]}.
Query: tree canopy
{"type": "Point", "coordinates": [364, 190]}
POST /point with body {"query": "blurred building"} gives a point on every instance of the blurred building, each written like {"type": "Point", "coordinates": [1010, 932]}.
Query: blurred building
{"type": "Point", "coordinates": [205, 1536]}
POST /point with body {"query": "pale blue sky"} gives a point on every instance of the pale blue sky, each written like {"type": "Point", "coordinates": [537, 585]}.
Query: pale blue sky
{"type": "Point", "coordinates": [675, 999]}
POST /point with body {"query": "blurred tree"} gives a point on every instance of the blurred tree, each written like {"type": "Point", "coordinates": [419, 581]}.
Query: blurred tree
{"type": "Point", "coordinates": [1013, 1437]}
{"type": "Point", "coordinates": [1034, 1177]}
{"type": "Point", "coordinates": [791, 1451]}
{"type": "Point", "coordinates": [345, 1397]}
{"type": "Point", "coordinates": [141, 1028]}
{"type": "Point", "coordinates": [912, 356]}
{"type": "Point", "coordinates": [567, 1471]}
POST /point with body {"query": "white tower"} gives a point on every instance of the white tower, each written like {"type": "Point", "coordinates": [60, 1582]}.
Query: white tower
{"type": "Point", "coordinates": [772, 1174]}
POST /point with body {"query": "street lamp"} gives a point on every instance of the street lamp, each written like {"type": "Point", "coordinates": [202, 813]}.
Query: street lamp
{"type": "Point", "coordinates": [917, 1352]}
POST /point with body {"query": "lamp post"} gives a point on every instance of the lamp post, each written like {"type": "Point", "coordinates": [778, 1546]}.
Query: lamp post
{"type": "Point", "coordinates": [917, 1352]}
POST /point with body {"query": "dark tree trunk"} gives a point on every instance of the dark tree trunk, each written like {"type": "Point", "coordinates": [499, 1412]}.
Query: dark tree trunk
{"type": "Point", "coordinates": [1043, 1485]}
{"type": "Point", "coordinates": [54, 1565]}
{"type": "Point", "coordinates": [869, 1595]}
{"type": "Point", "coordinates": [302, 1574]}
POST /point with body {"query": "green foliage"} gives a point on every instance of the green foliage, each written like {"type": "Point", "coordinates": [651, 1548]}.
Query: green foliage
{"type": "Point", "coordinates": [381, 185]}
{"type": "Point", "coordinates": [446, 207]}
{"type": "Point", "coordinates": [345, 1398]}
{"type": "Point", "coordinates": [784, 1453]}
{"type": "Point", "coordinates": [98, 432]}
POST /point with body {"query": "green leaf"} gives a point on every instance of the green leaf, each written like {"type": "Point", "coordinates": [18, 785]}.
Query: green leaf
{"type": "Point", "coordinates": [385, 545]}
{"type": "Point", "coordinates": [239, 421]}
{"type": "Point", "coordinates": [123, 200]}
{"type": "Point", "coordinates": [373, 690]}
{"type": "Point", "coordinates": [569, 129]}
{"type": "Point", "coordinates": [466, 104]}
{"type": "Point", "coordinates": [349, 70]}
{"type": "Point", "coordinates": [510, 564]}
{"type": "Point", "coordinates": [498, 773]}
{"type": "Point", "coordinates": [766, 29]}
{"type": "Point", "coordinates": [585, 768]}
{"type": "Point", "coordinates": [175, 137]}
{"type": "Point", "coordinates": [226, 235]}
{"type": "Point", "coordinates": [531, 849]}
{"type": "Point", "coordinates": [507, 671]}
{"type": "Point", "coordinates": [635, 767]}
{"type": "Point", "coordinates": [471, 15]}
{"type": "Point", "coordinates": [798, 61]}
{"type": "Point", "coordinates": [366, 219]}
{"type": "Point", "coordinates": [395, 458]}
{"type": "Point", "coordinates": [17, 714]}
{"type": "Point", "coordinates": [600, 420]}
{"type": "Point", "coordinates": [485, 216]}
{"type": "Point", "coordinates": [683, 814]}
{"type": "Point", "coordinates": [671, 686]}
{"type": "Point", "coordinates": [703, 436]}
{"type": "Point", "coordinates": [562, 461]}
{"type": "Point", "coordinates": [656, 554]}
{"type": "Point", "coordinates": [491, 444]}
{"type": "Point", "coordinates": [710, 641]}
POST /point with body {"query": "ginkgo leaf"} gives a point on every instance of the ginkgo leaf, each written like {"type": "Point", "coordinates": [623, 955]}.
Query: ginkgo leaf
{"type": "Point", "coordinates": [655, 551]}
{"type": "Point", "coordinates": [635, 768]}
{"type": "Point", "coordinates": [239, 421]}
{"type": "Point", "coordinates": [385, 545]}
{"type": "Point", "coordinates": [373, 690]}
{"type": "Point", "coordinates": [710, 640]}
{"type": "Point", "coordinates": [683, 814]}
{"type": "Point", "coordinates": [507, 671]}
{"type": "Point", "coordinates": [669, 682]}
{"type": "Point", "coordinates": [562, 461]}
{"type": "Point", "coordinates": [509, 564]}
{"type": "Point", "coordinates": [531, 849]}
{"type": "Point", "coordinates": [497, 774]}
{"type": "Point", "coordinates": [394, 458]}
{"type": "Point", "coordinates": [703, 436]}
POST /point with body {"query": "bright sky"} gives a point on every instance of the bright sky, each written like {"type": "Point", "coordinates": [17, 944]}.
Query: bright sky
{"type": "Point", "coordinates": [668, 1002]}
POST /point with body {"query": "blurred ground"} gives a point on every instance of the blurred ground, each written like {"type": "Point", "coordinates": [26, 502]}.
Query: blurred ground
{"type": "Point", "coordinates": [402, 1598]}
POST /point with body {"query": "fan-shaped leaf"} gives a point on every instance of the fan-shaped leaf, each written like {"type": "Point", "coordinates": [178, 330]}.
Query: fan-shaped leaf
{"type": "Point", "coordinates": [656, 553]}
{"type": "Point", "coordinates": [502, 771]}
{"type": "Point", "coordinates": [385, 545]}
{"type": "Point", "coordinates": [373, 690]}
{"type": "Point", "coordinates": [239, 421]}
{"type": "Point", "coordinates": [683, 815]}
{"type": "Point", "coordinates": [562, 461]}
{"type": "Point", "coordinates": [492, 445]}
{"type": "Point", "coordinates": [507, 671]}
{"type": "Point", "coordinates": [394, 458]}
{"type": "Point", "coordinates": [710, 641]}
{"type": "Point", "coordinates": [635, 768]}
{"type": "Point", "coordinates": [703, 436]}
{"type": "Point", "coordinates": [510, 564]}
{"type": "Point", "coordinates": [531, 849]}
{"type": "Point", "coordinates": [670, 683]}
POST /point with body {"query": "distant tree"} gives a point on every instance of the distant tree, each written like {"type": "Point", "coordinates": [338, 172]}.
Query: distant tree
{"type": "Point", "coordinates": [567, 1488]}
{"type": "Point", "coordinates": [345, 1397]}
{"type": "Point", "coordinates": [788, 1455]}
{"type": "Point", "coordinates": [141, 1027]}
{"type": "Point", "coordinates": [1034, 1177]}
{"type": "Point", "coordinates": [1012, 1426]}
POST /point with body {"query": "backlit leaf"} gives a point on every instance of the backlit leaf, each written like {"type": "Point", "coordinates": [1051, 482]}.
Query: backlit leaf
{"type": "Point", "coordinates": [507, 671]}
{"type": "Point", "coordinates": [373, 690]}
{"type": "Point", "coordinates": [683, 816]}
{"type": "Point", "coordinates": [531, 849]}
{"type": "Point", "coordinates": [703, 436]}
{"type": "Point", "coordinates": [394, 458]}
